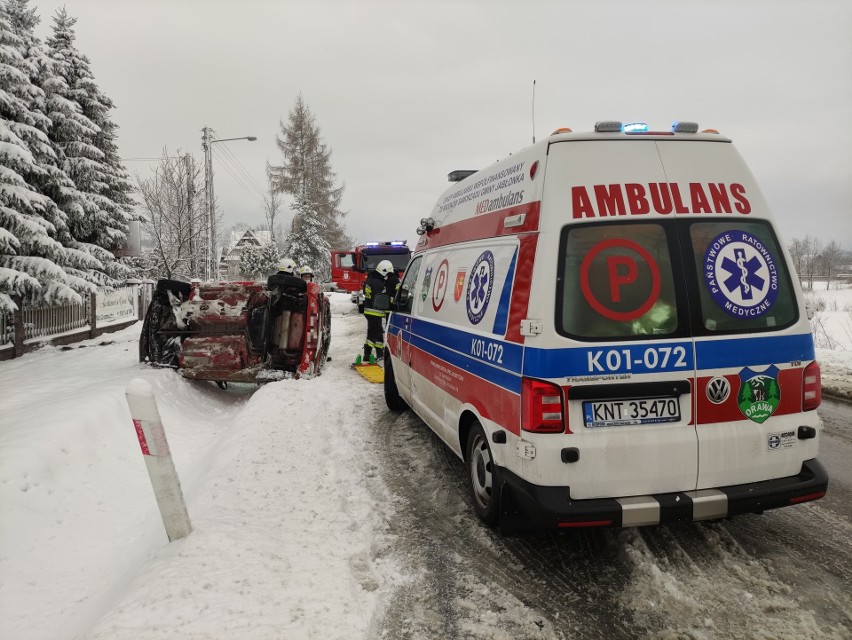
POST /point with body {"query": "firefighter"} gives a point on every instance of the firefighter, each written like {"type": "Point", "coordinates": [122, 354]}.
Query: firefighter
{"type": "Point", "coordinates": [307, 273]}
{"type": "Point", "coordinates": [288, 266]}
{"type": "Point", "coordinates": [377, 282]}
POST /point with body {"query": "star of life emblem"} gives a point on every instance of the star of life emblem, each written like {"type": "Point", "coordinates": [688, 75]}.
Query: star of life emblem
{"type": "Point", "coordinates": [479, 287]}
{"type": "Point", "coordinates": [741, 274]}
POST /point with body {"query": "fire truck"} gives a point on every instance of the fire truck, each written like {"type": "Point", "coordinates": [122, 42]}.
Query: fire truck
{"type": "Point", "coordinates": [349, 268]}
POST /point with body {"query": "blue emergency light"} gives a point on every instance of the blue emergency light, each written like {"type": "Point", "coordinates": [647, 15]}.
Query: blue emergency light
{"type": "Point", "coordinates": [635, 127]}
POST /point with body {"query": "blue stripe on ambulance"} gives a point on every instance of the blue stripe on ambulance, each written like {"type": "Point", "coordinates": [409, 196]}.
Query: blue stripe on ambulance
{"type": "Point", "coordinates": [747, 352]}
{"type": "Point", "coordinates": [470, 352]}
{"type": "Point", "coordinates": [502, 317]}
{"type": "Point", "coordinates": [666, 357]}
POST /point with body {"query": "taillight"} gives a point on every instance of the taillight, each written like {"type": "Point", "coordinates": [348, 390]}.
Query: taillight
{"type": "Point", "coordinates": [541, 404]}
{"type": "Point", "coordinates": [811, 387]}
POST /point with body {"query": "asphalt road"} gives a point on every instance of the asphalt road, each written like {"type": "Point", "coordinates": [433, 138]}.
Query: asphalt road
{"type": "Point", "coordinates": [784, 574]}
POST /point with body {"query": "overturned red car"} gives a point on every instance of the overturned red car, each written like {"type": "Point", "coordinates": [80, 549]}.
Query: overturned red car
{"type": "Point", "coordinates": [238, 331]}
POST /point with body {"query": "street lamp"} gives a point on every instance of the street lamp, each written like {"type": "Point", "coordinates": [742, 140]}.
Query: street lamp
{"type": "Point", "coordinates": [207, 142]}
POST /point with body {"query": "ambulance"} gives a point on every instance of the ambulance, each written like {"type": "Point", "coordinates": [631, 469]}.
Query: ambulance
{"type": "Point", "coordinates": [606, 328]}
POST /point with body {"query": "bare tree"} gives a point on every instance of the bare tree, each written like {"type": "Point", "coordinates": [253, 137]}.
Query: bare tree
{"type": "Point", "coordinates": [812, 247]}
{"type": "Point", "coordinates": [175, 221]}
{"type": "Point", "coordinates": [832, 255]}
{"type": "Point", "coordinates": [272, 206]}
{"type": "Point", "coordinates": [797, 254]}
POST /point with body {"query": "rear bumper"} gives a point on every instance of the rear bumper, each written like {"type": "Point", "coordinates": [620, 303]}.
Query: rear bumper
{"type": "Point", "coordinates": [552, 507]}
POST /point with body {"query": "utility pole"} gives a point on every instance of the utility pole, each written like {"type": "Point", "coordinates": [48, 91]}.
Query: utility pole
{"type": "Point", "coordinates": [190, 215]}
{"type": "Point", "coordinates": [212, 253]}
{"type": "Point", "coordinates": [210, 263]}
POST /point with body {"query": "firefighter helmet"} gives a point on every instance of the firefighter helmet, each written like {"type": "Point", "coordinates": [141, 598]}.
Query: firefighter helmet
{"type": "Point", "coordinates": [287, 266]}
{"type": "Point", "coordinates": [385, 268]}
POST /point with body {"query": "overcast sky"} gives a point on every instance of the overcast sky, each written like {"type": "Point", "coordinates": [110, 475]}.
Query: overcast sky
{"type": "Point", "coordinates": [404, 92]}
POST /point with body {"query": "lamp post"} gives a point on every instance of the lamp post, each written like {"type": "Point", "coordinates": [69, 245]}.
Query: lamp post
{"type": "Point", "coordinates": [207, 142]}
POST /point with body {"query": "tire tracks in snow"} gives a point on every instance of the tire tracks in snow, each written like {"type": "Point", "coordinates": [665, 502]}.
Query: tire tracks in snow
{"type": "Point", "coordinates": [471, 581]}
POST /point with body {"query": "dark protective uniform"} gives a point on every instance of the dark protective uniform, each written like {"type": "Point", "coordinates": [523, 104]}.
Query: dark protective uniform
{"type": "Point", "coordinates": [374, 285]}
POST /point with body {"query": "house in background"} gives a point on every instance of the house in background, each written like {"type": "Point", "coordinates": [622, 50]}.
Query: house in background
{"type": "Point", "coordinates": [229, 263]}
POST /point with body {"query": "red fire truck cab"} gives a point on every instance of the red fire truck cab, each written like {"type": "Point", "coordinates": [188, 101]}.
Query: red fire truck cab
{"type": "Point", "coordinates": [349, 268]}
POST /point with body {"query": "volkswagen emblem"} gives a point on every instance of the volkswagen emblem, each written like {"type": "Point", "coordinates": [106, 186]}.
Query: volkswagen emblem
{"type": "Point", "coordinates": [718, 390]}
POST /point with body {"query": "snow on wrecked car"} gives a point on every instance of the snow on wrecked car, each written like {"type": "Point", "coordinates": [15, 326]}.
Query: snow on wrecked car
{"type": "Point", "coordinates": [238, 331]}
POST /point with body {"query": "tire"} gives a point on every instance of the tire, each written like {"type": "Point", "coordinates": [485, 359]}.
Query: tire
{"type": "Point", "coordinates": [482, 479]}
{"type": "Point", "coordinates": [392, 397]}
{"type": "Point", "coordinates": [360, 307]}
{"type": "Point", "coordinates": [178, 287]}
{"type": "Point", "coordinates": [153, 346]}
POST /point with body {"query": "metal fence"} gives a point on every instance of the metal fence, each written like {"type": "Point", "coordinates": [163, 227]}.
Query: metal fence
{"type": "Point", "coordinates": [5, 328]}
{"type": "Point", "coordinates": [53, 320]}
{"type": "Point", "coordinates": [106, 311]}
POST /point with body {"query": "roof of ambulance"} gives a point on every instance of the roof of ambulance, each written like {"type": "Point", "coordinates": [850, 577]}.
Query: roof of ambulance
{"type": "Point", "coordinates": [539, 149]}
{"type": "Point", "coordinates": [666, 136]}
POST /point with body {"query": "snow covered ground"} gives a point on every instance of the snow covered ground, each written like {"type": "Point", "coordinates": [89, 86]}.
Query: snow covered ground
{"type": "Point", "coordinates": [288, 525]}
{"type": "Point", "coordinates": [832, 326]}
{"type": "Point", "coordinates": [289, 514]}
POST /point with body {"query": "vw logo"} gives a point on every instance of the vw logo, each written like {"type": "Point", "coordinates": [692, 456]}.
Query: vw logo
{"type": "Point", "coordinates": [718, 390]}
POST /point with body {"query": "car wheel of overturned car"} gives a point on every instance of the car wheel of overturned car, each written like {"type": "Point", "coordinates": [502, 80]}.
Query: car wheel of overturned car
{"type": "Point", "coordinates": [484, 489]}
{"type": "Point", "coordinates": [392, 397]}
{"type": "Point", "coordinates": [155, 346]}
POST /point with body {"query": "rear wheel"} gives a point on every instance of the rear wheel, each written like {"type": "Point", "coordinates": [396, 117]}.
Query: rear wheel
{"type": "Point", "coordinates": [392, 397]}
{"type": "Point", "coordinates": [482, 483]}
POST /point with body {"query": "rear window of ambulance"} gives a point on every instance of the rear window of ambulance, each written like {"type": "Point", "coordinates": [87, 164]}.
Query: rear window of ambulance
{"type": "Point", "coordinates": [671, 279]}
{"type": "Point", "coordinates": [617, 281]}
{"type": "Point", "coordinates": [743, 283]}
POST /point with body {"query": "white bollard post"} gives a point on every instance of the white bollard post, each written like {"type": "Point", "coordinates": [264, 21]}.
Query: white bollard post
{"type": "Point", "coordinates": [158, 458]}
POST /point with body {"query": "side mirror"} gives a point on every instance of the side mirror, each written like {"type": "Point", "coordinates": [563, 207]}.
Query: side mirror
{"type": "Point", "coordinates": [381, 302]}
{"type": "Point", "coordinates": [400, 303]}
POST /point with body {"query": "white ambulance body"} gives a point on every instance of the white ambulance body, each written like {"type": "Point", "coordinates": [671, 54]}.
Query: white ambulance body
{"type": "Point", "coordinates": [605, 327]}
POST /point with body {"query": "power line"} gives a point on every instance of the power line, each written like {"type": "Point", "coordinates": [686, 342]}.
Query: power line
{"type": "Point", "coordinates": [243, 170]}
{"type": "Point", "coordinates": [228, 166]}
{"type": "Point", "coordinates": [247, 180]}
{"type": "Point", "coordinates": [239, 181]}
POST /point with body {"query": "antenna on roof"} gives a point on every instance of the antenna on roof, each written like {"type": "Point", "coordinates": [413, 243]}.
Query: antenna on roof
{"type": "Point", "coordinates": [533, 111]}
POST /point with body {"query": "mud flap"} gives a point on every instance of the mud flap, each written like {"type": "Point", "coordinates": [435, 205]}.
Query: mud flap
{"type": "Point", "coordinates": [513, 521]}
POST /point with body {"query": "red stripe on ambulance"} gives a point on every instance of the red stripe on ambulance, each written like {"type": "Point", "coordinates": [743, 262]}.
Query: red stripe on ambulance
{"type": "Point", "coordinates": [521, 288]}
{"type": "Point", "coordinates": [789, 381]}
{"type": "Point", "coordinates": [487, 225]}
{"type": "Point", "coordinates": [503, 407]}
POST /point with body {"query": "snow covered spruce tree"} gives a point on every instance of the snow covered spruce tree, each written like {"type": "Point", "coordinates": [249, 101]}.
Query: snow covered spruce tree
{"type": "Point", "coordinates": [84, 136]}
{"type": "Point", "coordinates": [32, 255]}
{"type": "Point", "coordinates": [306, 174]}
{"type": "Point", "coordinates": [259, 261]}
{"type": "Point", "coordinates": [306, 243]}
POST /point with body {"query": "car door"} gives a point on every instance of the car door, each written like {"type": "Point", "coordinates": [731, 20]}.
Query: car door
{"type": "Point", "coordinates": [400, 328]}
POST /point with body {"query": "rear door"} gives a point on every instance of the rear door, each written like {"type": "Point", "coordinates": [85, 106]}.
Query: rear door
{"type": "Point", "coordinates": [750, 354]}
{"type": "Point", "coordinates": [751, 341]}
{"type": "Point", "coordinates": [623, 350]}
